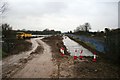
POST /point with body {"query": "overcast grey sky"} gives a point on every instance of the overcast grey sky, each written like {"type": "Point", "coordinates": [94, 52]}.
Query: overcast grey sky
{"type": "Point", "coordinates": [63, 15]}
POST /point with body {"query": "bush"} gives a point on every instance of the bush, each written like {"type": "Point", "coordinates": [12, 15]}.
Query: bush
{"type": "Point", "coordinates": [14, 46]}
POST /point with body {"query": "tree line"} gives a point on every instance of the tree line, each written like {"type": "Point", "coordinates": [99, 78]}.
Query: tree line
{"type": "Point", "coordinates": [8, 32]}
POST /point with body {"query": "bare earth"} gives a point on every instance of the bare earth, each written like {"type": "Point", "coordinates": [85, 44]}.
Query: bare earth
{"type": "Point", "coordinates": [39, 67]}
{"type": "Point", "coordinates": [13, 63]}
{"type": "Point", "coordinates": [37, 63]}
{"type": "Point", "coordinates": [45, 61]}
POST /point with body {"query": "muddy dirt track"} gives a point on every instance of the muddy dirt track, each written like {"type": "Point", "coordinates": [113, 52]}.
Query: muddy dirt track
{"type": "Point", "coordinates": [39, 67]}
{"type": "Point", "coordinates": [13, 63]}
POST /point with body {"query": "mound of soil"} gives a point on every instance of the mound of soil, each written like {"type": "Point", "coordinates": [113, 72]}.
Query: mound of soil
{"type": "Point", "coordinates": [56, 43]}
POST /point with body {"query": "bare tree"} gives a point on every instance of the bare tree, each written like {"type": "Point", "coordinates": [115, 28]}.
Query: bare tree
{"type": "Point", "coordinates": [3, 7]}
{"type": "Point", "coordinates": [77, 29]}
{"type": "Point", "coordinates": [87, 27]}
{"type": "Point", "coordinates": [6, 27]}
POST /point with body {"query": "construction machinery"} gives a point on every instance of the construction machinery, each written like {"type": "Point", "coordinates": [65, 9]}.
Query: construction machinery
{"type": "Point", "coordinates": [23, 35]}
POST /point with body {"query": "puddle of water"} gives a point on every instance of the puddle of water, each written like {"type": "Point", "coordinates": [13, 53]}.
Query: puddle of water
{"type": "Point", "coordinates": [74, 48]}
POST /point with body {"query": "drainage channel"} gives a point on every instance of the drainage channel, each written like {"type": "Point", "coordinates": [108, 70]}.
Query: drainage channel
{"type": "Point", "coordinates": [74, 48]}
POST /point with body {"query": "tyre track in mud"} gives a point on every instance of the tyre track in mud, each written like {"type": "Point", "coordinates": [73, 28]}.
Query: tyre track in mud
{"type": "Point", "coordinates": [39, 67]}
{"type": "Point", "coordinates": [13, 63]}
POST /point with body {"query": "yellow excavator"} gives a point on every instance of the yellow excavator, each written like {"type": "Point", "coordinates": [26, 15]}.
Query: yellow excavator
{"type": "Point", "coordinates": [23, 35]}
